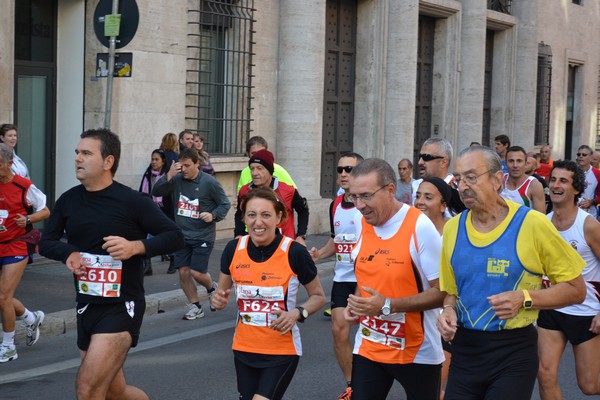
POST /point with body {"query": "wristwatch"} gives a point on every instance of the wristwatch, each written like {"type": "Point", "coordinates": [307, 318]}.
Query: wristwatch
{"type": "Point", "coordinates": [303, 313]}
{"type": "Point", "coordinates": [387, 307]}
{"type": "Point", "coordinates": [527, 303]}
{"type": "Point", "coordinates": [27, 220]}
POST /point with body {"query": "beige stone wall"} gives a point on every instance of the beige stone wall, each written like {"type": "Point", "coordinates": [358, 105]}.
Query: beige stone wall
{"type": "Point", "coordinates": [7, 70]}
{"type": "Point", "coordinates": [151, 102]}
{"type": "Point", "coordinates": [580, 47]}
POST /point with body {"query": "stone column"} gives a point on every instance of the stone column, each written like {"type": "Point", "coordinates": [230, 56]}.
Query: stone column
{"type": "Point", "coordinates": [300, 92]}
{"type": "Point", "coordinates": [472, 72]}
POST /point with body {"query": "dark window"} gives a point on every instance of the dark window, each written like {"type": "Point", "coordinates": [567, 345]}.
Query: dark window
{"type": "Point", "coordinates": [544, 86]}
{"type": "Point", "coordinates": [34, 30]}
{"type": "Point", "coordinates": [578, 2]}
{"type": "Point", "coordinates": [502, 6]}
{"type": "Point", "coordinates": [219, 73]}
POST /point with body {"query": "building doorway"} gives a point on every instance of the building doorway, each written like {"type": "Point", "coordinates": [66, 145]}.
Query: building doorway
{"type": "Point", "coordinates": [35, 81]}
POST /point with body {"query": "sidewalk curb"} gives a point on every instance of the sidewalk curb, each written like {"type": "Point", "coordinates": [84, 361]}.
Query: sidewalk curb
{"type": "Point", "coordinates": [61, 322]}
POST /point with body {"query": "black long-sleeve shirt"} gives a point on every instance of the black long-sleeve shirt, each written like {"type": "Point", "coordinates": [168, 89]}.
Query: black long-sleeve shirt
{"type": "Point", "coordinates": [88, 217]}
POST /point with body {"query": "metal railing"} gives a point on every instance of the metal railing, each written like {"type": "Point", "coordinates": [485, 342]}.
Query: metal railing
{"type": "Point", "coordinates": [502, 6]}
{"type": "Point", "coordinates": [219, 73]}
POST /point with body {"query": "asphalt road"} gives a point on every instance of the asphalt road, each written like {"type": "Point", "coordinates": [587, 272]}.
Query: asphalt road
{"type": "Point", "coordinates": [178, 359]}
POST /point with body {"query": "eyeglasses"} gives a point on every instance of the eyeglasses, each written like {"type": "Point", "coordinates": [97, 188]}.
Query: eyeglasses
{"type": "Point", "coordinates": [429, 157]}
{"type": "Point", "coordinates": [347, 168]}
{"type": "Point", "coordinates": [365, 198]}
{"type": "Point", "coordinates": [582, 155]}
{"type": "Point", "coordinates": [470, 179]}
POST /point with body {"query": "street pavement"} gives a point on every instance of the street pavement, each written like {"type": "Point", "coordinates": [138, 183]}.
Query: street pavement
{"type": "Point", "coordinates": [48, 285]}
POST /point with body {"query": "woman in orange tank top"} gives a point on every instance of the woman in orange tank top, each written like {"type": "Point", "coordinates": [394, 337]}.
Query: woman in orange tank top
{"type": "Point", "coordinates": [268, 270]}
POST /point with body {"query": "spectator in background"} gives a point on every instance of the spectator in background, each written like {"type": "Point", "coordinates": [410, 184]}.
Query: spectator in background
{"type": "Point", "coordinates": [405, 180]}
{"type": "Point", "coordinates": [254, 144]}
{"type": "Point", "coordinates": [591, 194]}
{"type": "Point", "coordinates": [546, 162]}
{"type": "Point", "coordinates": [186, 140]}
{"type": "Point", "coordinates": [205, 164]}
{"type": "Point", "coordinates": [502, 143]}
{"type": "Point", "coordinates": [156, 170]}
{"type": "Point", "coordinates": [8, 136]}
{"type": "Point", "coordinates": [170, 145]}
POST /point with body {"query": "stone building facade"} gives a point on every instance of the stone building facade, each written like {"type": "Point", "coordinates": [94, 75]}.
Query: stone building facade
{"type": "Point", "coordinates": [314, 77]}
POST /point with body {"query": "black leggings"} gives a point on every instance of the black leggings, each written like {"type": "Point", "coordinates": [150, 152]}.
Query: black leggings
{"type": "Point", "coordinates": [269, 382]}
{"type": "Point", "coordinates": [372, 380]}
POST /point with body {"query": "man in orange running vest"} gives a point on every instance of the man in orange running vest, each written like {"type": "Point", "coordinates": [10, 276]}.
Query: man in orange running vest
{"type": "Point", "coordinates": [396, 303]}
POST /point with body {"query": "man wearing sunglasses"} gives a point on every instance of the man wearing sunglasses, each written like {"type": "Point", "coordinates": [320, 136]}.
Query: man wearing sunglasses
{"type": "Point", "coordinates": [343, 238]}
{"type": "Point", "coordinates": [591, 195]}
{"type": "Point", "coordinates": [434, 161]}
{"type": "Point", "coordinates": [397, 299]}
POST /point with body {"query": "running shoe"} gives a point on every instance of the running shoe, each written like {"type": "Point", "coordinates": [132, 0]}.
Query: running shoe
{"type": "Point", "coordinates": [215, 286]}
{"type": "Point", "coordinates": [33, 330]}
{"type": "Point", "coordinates": [347, 395]}
{"type": "Point", "coordinates": [327, 312]}
{"type": "Point", "coordinates": [8, 353]}
{"type": "Point", "coordinates": [193, 312]}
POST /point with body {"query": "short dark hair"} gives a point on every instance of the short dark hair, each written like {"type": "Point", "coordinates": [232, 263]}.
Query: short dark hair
{"type": "Point", "coordinates": [254, 140]}
{"type": "Point", "coordinates": [110, 144]}
{"type": "Point", "coordinates": [351, 154]}
{"type": "Point", "coordinates": [512, 149]}
{"type": "Point", "coordinates": [579, 183]}
{"type": "Point", "coordinates": [185, 132]}
{"type": "Point", "coordinates": [504, 139]}
{"type": "Point", "coordinates": [189, 153]}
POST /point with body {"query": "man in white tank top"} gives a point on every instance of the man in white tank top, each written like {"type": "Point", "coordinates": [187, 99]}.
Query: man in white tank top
{"type": "Point", "coordinates": [579, 323]}
{"type": "Point", "coordinates": [342, 241]}
{"type": "Point", "coordinates": [518, 186]}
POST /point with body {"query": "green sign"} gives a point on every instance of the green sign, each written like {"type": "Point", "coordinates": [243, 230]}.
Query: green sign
{"type": "Point", "coordinates": [112, 22]}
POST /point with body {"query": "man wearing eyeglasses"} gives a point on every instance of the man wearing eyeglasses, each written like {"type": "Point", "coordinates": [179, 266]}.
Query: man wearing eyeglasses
{"type": "Point", "coordinates": [591, 195]}
{"type": "Point", "coordinates": [434, 161]}
{"type": "Point", "coordinates": [493, 258]}
{"type": "Point", "coordinates": [397, 299]}
{"type": "Point", "coordinates": [343, 238]}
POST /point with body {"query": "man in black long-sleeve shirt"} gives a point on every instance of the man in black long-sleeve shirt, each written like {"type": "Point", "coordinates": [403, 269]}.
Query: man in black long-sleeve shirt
{"type": "Point", "coordinates": [106, 224]}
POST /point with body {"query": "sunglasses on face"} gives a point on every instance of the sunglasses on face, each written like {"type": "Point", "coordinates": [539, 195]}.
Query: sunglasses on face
{"type": "Point", "coordinates": [429, 157]}
{"type": "Point", "coordinates": [347, 168]}
{"type": "Point", "coordinates": [582, 155]}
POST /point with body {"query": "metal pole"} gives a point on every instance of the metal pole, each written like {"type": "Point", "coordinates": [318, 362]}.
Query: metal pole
{"type": "Point", "coordinates": [111, 69]}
